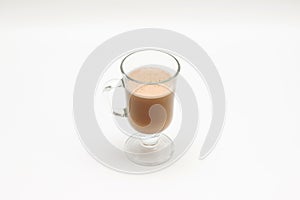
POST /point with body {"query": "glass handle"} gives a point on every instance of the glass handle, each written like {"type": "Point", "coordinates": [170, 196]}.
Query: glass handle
{"type": "Point", "coordinates": [108, 90]}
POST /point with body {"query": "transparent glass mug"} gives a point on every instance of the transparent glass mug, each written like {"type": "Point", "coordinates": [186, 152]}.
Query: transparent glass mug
{"type": "Point", "coordinates": [149, 79]}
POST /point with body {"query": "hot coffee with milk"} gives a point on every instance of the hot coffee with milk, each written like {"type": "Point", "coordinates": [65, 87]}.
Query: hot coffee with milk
{"type": "Point", "coordinates": [142, 97]}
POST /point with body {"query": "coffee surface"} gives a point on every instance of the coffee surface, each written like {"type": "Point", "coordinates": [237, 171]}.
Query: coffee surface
{"type": "Point", "coordinates": [150, 75]}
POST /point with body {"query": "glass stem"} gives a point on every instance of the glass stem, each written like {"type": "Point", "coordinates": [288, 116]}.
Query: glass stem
{"type": "Point", "coordinates": [150, 142]}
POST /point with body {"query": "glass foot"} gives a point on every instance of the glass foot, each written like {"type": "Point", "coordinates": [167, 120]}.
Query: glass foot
{"type": "Point", "coordinates": [149, 151]}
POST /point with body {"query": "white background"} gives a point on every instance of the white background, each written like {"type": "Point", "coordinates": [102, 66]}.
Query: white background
{"type": "Point", "coordinates": [255, 46]}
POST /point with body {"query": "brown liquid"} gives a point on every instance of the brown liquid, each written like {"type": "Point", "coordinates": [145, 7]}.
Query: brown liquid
{"type": "Point", "coordinates": [150, 106]}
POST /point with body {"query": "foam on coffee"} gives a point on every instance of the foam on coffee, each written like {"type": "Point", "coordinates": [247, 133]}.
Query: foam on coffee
{"type": "Point", "coordinates": [150, 75]}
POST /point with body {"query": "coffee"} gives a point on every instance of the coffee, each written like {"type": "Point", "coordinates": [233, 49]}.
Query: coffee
{"type": "Point", "coordinates": [150, 106]}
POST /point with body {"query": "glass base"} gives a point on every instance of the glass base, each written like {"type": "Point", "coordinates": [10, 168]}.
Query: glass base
{"type": "Point", "coordinates": [149, 151]}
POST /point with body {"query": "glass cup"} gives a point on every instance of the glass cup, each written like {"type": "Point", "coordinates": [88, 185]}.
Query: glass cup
{"type": "Point", "coordinates": [149, 79]}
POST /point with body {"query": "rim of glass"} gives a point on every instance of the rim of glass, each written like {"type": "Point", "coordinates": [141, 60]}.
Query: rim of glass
{"type": "Point", "coordinates": [151, 83]}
